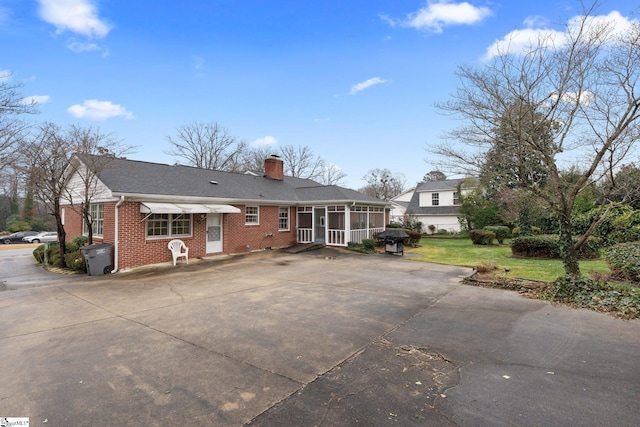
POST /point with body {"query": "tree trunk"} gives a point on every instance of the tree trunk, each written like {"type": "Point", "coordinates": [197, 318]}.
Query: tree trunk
{"type": "Point", "coordinates": [61, 235]}
{"type": "Point", "coordinates": [567, 249]}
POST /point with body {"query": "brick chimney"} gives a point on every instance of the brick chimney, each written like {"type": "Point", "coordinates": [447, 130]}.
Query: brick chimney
{"type": "Point", "coordinates": [274, 167]}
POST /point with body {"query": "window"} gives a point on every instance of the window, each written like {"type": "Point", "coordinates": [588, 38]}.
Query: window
{"type": "Point", "coordinates": [169, 225]}
{"type": "Point", "coordinates": [181, 225]}
{"type": "Point", "coordinates": [96, 213]}
{"type": "Point", "coordinates": [251, 215]}
{"type": "Point", "coordinates": [456, 199]}
{"type": "Point", "coordinates": [435, 199]}
{"type": "Point", "coordinates": [283, 219]}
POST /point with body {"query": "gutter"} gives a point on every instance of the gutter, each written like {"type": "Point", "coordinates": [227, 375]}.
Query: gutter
{"type": "Point", "coordinates": [115, 254]}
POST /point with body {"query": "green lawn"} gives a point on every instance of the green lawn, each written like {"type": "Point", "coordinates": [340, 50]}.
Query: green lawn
{"type": "Point", "coordinates": [464, 253]}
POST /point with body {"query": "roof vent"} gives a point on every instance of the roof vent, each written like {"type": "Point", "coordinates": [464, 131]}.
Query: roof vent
{"type": "Point", "coordinates": [213, 182]}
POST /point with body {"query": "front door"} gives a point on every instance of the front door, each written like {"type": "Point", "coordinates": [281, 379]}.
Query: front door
{"type": "Point", "coordinates": [319, 224]}
{"type": "Point", "coordinates": [214, 233]}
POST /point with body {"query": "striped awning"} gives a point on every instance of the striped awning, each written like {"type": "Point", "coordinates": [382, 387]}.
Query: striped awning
{"type": "Point", "coordinates": [185, 208]}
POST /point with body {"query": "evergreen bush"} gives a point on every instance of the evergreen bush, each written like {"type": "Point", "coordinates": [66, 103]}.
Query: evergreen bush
{"type": "Point", "coordinates": [547, 246]}
{"type": "Point", "coordinates": [624, 260]}
{"type": "Point", "coordinates": [502, 232]}
{"type": "Point", "coordinates": [482, 237]}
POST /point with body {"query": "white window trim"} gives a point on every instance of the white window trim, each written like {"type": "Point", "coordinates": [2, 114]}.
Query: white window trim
{"type": "Point", "coordinates": [169, 235]}
{"type": "Point", "coordinates": [85, 226]}
{"type": "Point", "coordinates": [257, 214]}
{"type": "Point", "coordinates": [288, 210]}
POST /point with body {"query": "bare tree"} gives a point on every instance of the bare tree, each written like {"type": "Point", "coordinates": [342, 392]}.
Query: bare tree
{"type": "Point", "coordinates": [96, 151]}
{"type": "Point", "coordinates": [208, 146]}
{"type": "Point", "coordinates": [253, 158]}
{"type": "Point", "coordinates": [434, 176]}
{"type": "Point", "coordinates": [331, 175]}
{"type": "Point", "coordinates": [301, 162]}
{"type": "Point", "coordinates": [585, 83]}
{"type": "Point", "coordinates": [383, 184]}
{"type": "Point", "coordinates": [47, 153]}
{"type": "Point", "coordinates": [12, 104]}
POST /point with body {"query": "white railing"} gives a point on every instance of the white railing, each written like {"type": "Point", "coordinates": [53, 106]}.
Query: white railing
{"type": "Point", "coordinates": [305, 235]}
{"type": "Point", "coordinates": [336, 237]}
{"type": "Point", "coordinates": [366, 233]}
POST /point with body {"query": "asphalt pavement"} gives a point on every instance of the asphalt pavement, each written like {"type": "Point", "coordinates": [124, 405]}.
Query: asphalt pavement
{"type": "Point", "coordinates": [325, 338]}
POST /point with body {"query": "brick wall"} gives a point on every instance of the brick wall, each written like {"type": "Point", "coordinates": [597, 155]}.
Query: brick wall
{"type": "Point", "coordinates": [72, 222]}
{"type": "Point", "coordinates": [135, 249]}
{"type": "Point", "coordinates": [237, 235]}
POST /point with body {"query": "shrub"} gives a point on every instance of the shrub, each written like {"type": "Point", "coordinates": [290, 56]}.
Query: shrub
{"type": "Point", "coordinates": [623, 301]}
{"type": "Point", "coordinates": [546, 246]}
{"type": "Point", "coordinates": [487, 267]}
{"type": "Point", "coordinates": [75, 261]}
{"type": "Point", "coordinates": [501, 231]}
{"type": "Point", "coordinates": [73, 257]}
{"type": "Point", "coordinates": [80, 240]}
{"type": "Point", "coordinates": [369, 245]}
{"type": "Point", "coordinates": [624, 260]}
{"type": "Point", "coordinates": [414, 238]}
{"type": "Point", "coordinates": [482, 237]}
{"type": "Point", "coordinates": [536, 247]}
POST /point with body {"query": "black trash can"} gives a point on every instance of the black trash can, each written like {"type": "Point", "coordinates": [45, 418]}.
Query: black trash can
{"type": "Point", "coordinates": [98, 258]}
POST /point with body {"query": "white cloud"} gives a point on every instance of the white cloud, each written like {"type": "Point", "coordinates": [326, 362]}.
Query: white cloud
{"type": "Point", "coordinates": [366, 84]}
{"type": "Point", "coordinates": [77, 16]}
{"type": "Point", "coordinates": [99, 110]}
{"type": "Point", "coordinates": [5, 14]}
{"type": "Point", "coordinates": [536, 32]}
{"type": "Point", "coordinates": [78, 47]}
{"type": "Point", "coordinates": [583, 98]}
{"type": "Point", "coordinates": [5, 75]}
{"type": "Point", "coordinates": [36, 99]}
{"type": "Point", "coordinates": [442, 13]}
{"type": "Point", "coordinates": [521, 41]}
{"type": "Point", "coordinates": [264, 141]}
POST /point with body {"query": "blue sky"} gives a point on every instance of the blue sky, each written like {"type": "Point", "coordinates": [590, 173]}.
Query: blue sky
{"type": "Point", "coordinates": [355, 80]}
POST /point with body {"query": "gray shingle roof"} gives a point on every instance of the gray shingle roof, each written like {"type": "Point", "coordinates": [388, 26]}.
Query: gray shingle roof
{"type": "Point", "coordinates": [446, 185]}
{"type": "Point", "coordinates": [414, 207]}
{"type": "Point", "coordinates": [128, 177]}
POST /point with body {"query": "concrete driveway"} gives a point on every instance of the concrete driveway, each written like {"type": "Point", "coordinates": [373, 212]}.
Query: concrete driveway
{"type": "Point", "coordinates": [322, 338]}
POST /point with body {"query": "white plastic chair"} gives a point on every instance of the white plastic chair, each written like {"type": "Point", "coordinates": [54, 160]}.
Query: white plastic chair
{"type": "Point", "coordinates": [176, 246]}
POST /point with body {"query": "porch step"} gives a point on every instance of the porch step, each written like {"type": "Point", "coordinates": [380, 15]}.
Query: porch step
{"type": "Point", "coordinates": [303, 247]}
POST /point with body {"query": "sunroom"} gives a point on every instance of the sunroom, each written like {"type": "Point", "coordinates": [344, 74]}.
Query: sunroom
{"type": "Point", "coordinates": [337, 225]}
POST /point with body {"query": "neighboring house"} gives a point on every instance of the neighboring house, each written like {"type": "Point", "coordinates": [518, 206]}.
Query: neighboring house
{"type": "Point", "coordinates": [436, 203]}
{"type": "Point", "coordinates": [140, 206]}
{"type": "Point", "coordinates": [399, 206]}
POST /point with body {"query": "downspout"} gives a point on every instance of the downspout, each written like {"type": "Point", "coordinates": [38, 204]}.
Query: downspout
{"type": "Point", "coordinates": [115, 253]}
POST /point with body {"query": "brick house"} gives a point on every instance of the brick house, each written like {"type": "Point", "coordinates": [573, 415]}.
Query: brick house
{"type": "Point", "coordinates": [140, 206]}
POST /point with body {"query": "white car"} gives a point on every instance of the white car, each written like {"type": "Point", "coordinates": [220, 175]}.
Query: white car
{"type": "Point", "coordinates": [47, 236]}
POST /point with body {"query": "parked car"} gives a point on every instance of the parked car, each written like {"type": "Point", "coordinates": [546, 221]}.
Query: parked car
{"type": "Point", "coordinates": [47, 236]}
{"type": "Point", "coordinates": [17, 237]}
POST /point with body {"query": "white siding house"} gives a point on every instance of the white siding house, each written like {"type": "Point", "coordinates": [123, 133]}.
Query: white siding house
{"type": "Point", "coordinates": [436, 203]}
{"type": "Point", "coordinates": [399, 206]}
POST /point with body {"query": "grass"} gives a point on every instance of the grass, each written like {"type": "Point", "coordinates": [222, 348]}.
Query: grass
{"type": "Point", "coordinates": [464, 253]}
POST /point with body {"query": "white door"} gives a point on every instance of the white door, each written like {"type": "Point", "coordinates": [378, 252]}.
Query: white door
{"type": "Point", "coordinates": [214, 233]}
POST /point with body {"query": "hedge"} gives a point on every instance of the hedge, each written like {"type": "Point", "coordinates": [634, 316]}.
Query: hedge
{"type": "Point", "coordinates": [624, 260]}
{"type": "Point", "coordinates": [501, 231]}
{"type": "Point", "coordinates": [547, 246]}
{"type": "Point", "coordinates": [482, 237]}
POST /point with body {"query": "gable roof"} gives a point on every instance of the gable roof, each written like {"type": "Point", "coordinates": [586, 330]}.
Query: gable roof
{"type": "Point", "coordinates": [138, 179]}
{"type": "Point", "coordinates": [414, 207]}
{"type": "Point", "coordinates": [444, 185]}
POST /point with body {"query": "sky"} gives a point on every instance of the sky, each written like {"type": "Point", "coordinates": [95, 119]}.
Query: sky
{"type": "Point", "coordinates": [354, 80]}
